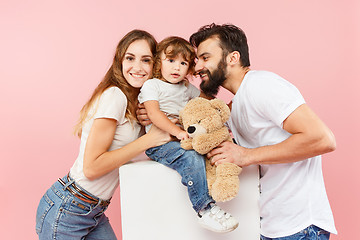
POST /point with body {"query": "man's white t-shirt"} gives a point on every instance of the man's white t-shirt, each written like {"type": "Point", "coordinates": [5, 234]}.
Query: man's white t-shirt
{"type": "Point", "coordinates": [171, 97]}
{"type": "Point", "coordinates": [292, 195]}
{"type": "Point", "coordinates": [111, 104]}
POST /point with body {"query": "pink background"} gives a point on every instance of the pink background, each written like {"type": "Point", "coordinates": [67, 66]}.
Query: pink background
{"type": "Point", "coordinates": [53, 54]}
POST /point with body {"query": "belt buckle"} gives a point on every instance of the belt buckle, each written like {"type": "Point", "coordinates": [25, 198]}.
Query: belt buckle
{"type": "Point", "coordinates": [104, 203]}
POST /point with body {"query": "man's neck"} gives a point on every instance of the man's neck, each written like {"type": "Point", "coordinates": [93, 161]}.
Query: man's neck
{"type": "Point", "coordinates": [235, 78]}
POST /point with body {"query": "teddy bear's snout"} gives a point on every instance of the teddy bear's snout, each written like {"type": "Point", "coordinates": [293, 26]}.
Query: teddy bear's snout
{"type": "Point", "coordinates": [195, 130]}
{"type": "Point", "coordinates": [191, 129]}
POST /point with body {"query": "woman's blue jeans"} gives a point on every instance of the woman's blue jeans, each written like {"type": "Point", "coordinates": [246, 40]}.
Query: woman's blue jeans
{"type": "Point", "coordinates": [310, 233]}
{"type": "Point", "coordinates": [190, 165]}
{"type": "Point", "coordinates": [61, 215]}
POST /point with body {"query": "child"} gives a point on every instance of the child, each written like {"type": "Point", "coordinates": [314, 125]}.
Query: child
{"type": "Point", "coordinates": [163, 97]}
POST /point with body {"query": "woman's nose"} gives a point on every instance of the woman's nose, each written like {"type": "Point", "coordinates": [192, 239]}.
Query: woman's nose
{"type": "Point", "coordinates": [137, 65]}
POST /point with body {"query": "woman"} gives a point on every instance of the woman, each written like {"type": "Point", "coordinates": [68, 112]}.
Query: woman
{"type": "Point", "coordinates": [73, 208]}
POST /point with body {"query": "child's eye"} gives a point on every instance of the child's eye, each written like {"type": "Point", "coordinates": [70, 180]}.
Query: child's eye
{"type": "Point", "coordinates": [184, 63]}
{"type": "Point", "coordinates": [171, 60]}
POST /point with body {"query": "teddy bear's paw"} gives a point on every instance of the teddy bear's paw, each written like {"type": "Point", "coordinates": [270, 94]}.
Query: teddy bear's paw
{"type": "Point", "coordinates": [186, 144]}
{"type": "Point", "coordinates": [228, 170]}
{"type": "Point", "coordinates": [225, 189]}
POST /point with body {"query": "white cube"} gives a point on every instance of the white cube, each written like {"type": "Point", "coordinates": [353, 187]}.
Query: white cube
{"type": "Point", "coordinates": [155, 205]}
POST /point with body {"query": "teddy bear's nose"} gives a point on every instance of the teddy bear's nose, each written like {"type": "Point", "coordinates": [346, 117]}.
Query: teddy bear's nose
{"type": "Point", "coordinates": [191, 129]}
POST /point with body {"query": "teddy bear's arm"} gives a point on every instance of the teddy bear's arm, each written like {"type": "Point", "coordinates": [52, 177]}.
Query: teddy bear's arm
{"type": "Point", "coordinates": [206, 142]}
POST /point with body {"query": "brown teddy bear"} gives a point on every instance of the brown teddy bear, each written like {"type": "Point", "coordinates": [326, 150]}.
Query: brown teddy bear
{"type": "Point", "coordinates": [204, 122]}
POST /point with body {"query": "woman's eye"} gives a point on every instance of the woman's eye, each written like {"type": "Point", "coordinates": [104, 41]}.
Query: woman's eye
{"type": "Point", "coordinates": [146, 60]}
{"type": "Point", "coordinates": [129, 58]}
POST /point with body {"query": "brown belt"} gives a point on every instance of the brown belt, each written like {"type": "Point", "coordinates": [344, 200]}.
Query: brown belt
{"type": "Point", "coordinates": [84, 196]}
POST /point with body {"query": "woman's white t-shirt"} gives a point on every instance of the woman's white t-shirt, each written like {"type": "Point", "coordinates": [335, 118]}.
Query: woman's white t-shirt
{"type": "Point", "coordinates": [111, 104]}
{"type": "Point", "coordinates": [293, 195]}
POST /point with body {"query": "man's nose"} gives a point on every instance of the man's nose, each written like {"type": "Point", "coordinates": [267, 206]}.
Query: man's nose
{"type": "Point", "coordinates": [198, 66]}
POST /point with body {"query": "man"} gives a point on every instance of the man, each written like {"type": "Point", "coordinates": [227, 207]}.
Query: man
{"type": "Point", "coordinates": [273, 127]}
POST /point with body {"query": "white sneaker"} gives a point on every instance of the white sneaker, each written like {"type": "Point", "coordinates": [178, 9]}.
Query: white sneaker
{"type": "Point", "coordinates": [217, 220]}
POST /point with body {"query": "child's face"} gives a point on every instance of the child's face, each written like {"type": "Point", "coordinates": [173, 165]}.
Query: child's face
{"type": "Point", "coordinates": [174, 70]}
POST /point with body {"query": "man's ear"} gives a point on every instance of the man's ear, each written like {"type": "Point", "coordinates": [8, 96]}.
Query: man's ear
{"type": "Point", "coordinates": [233, 58]}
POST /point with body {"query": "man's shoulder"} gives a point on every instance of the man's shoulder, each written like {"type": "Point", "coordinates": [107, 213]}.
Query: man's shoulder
{"type": "Point", "coordinates": [262, 74]}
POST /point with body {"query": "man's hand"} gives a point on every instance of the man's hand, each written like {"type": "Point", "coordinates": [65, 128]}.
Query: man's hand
{"type": "Point", "coordinates": [229, 152]}
{"type": "Point", "coordinates": [142, 116]}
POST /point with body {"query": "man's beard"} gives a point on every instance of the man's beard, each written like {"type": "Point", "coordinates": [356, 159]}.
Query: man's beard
{"type": "Point", "coordinates": [215, 79]}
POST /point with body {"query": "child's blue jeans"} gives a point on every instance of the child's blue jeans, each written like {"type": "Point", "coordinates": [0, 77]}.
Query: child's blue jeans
{"type": "Point", "coordinates": [190, 165]}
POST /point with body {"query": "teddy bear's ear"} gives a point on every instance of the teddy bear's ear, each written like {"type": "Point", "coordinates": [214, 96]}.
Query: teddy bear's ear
{"type": "Point", "coordinates": [221, 107]}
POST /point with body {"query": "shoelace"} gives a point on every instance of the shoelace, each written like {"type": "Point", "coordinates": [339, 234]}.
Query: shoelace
{"type": "Point", "coordinates": [219, 213]}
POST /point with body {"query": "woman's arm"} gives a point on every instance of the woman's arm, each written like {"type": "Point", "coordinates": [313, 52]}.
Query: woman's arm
{"type": "Point", "coordinates": [98, 161]}
{"type": "Point", "coordinates": [160, 120]}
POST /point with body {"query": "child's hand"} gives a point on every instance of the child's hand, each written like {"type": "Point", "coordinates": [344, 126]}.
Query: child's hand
{"type": "Point", "coordinates": [182, 135]}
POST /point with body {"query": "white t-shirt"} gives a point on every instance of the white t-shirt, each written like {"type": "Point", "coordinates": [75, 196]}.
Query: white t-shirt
{"type": "Point", "coordinates": [111, 104]}
{"type": "Point", "coordinates": [292, 195]}
{"type": "Point", "coordinates": [171, 97]}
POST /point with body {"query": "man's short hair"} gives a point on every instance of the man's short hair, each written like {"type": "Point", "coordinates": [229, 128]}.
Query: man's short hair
{"type": "Point", "coordinates": [231, 37]}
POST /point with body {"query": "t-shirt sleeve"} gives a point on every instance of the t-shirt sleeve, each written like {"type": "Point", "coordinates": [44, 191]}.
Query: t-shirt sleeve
{"type": "Point", "coordinates": [275, 98]}
{"type": "Point", "coordinates": [149, 91]}
{"type": "Point", "coordinates": [112, 104]}
{"type": "Point", "coordinates": [193, 91]}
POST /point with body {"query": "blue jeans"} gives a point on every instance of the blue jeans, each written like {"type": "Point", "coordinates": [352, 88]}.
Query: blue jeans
{"type": "Point", "coordinates": [61, 215]}
{"type": "Point", "coordinates": [190, 165]}
{"type": "Point", "coordinates": [310, 233]}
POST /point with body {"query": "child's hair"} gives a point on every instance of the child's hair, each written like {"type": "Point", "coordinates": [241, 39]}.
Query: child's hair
{"type": "Point", "coordinates": [115, 77]}
{"type": "Point", "coordinates": [172, 47]}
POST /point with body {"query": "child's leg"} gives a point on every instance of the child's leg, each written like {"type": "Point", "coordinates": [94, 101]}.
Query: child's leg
{"type": "Point", "coordinates": [190, 165]}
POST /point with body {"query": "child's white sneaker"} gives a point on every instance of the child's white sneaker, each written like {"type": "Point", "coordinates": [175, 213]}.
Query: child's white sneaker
{"type": "Point", "coordinates": [217, 220]}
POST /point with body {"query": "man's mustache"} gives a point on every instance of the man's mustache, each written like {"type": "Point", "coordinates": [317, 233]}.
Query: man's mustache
{"type": "Point", "coordinates": [204, 71]}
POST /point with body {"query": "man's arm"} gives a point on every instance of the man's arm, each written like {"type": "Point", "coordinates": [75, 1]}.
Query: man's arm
{"type": "Point", "coordinates": [310, 137]}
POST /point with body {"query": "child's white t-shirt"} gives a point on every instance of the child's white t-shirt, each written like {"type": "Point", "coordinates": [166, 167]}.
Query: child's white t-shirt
{"type": "Point", "coordinates": [293, 195]}
{"type": "Point", "coordinates": [111, 104]}
{"type": "Point", "coordinates": [171, 97]}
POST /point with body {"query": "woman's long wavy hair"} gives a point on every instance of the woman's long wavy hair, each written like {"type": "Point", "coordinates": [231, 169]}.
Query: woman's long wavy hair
{"type": "Point", "coordinates": [115, 77]}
